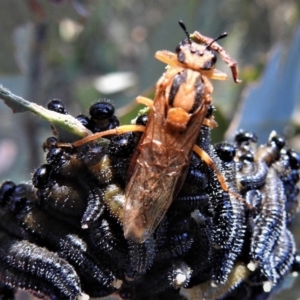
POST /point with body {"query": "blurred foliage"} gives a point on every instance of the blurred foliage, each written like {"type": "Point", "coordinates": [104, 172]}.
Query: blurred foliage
{"type": "Point", "coordinates": [67, 49]}
{"type": "Point", "coordinates": [276, 96]}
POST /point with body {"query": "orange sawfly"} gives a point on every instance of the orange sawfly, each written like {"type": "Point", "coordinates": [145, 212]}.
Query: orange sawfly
{"type": "Point", "coordinates": [160, 162]}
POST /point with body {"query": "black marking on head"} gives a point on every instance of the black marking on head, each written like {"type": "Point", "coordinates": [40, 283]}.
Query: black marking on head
{"type": "Point", "coordinates": [207, 65]}
{"type": "Point", "coordinates": [181, 57]}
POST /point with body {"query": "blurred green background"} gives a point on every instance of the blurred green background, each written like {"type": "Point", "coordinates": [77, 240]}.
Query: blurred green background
{"type": "Point", "coordinates": [81, 51]}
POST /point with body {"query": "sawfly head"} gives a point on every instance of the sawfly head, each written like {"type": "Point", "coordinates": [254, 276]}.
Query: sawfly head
{"type": "Point", "coordinates": [198, 53]}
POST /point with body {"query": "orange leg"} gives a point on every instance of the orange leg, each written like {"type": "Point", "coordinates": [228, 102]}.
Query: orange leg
{"type": "Point", "coordinates": [168, 58]}
{"type": "Point", "coordinates": [116, 131]}
{"type": "Point", "coordinates": [210, 122]}
{"type": "Point", "coordinates": [207, 159]}
{"type": "Point", "coordinates": [143, 100]}
{"type": "Point", "coordinates": [123, 129]}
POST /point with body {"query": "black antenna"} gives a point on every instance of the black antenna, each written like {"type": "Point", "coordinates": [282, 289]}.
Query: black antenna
{"type": "Point", "coordinates": [224, 34]}
{"type": "Point", "coordinates": [182, 25]}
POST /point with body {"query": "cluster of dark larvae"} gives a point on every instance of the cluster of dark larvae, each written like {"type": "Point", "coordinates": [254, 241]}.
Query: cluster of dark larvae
{"type": "Point", "coordinates": [61, 238]}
